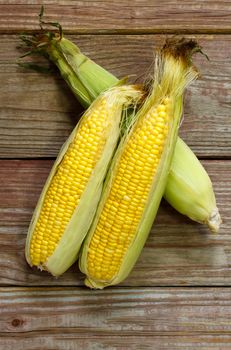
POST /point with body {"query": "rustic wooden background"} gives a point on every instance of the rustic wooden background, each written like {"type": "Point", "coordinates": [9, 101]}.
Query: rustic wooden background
{"type": "Point", "coordinates": [179, 294]}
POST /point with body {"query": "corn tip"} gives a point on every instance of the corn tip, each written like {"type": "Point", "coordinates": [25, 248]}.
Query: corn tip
{"type": "Point", "coordinates": [214, 221]}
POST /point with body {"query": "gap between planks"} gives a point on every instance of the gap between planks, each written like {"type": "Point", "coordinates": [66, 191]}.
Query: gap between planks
{"type": "Point", "coordinates": [129, 32]}
{"type": "Point", "coordinates": [124, 287]}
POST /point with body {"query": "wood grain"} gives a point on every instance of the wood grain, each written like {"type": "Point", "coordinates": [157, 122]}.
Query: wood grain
{"type": "Point", "coordinates": [178, 251]}
{"type": "Point", "coordinates": [119, 16]}
{"type": "Point", "coordinates": [72, 341]}
{"type": "Point", "coordinates": [38, 111]}
{"type": "Point", "coordinates": [141, 318]}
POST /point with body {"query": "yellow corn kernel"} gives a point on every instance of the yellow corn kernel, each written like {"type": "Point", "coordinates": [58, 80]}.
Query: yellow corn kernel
{"type": "Point", "coordinates": [130, 193]}
{"type": "Point", "coordinates": [59, 201]}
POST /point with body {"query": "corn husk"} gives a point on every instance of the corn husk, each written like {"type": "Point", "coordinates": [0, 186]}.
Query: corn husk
{"type": "Point", "coordinates": [191, 195]}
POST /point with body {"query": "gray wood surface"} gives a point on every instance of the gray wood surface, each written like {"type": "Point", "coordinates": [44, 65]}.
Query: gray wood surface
{"type": "Point", "coordinates": [117, 318]}
{"type": "Point", "coordinates": [120, 16]}
{"type": "Point", "coordinates": [178, 295]}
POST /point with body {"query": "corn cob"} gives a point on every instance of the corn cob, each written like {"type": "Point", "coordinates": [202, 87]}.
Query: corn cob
{"type": "Point", "coordinates": [138, 175]}
{"type": "Point", "coordinates": [69, 199]}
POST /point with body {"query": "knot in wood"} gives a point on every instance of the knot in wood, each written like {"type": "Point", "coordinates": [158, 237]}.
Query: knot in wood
{"type": "Point", "coordinates": [16, 322]}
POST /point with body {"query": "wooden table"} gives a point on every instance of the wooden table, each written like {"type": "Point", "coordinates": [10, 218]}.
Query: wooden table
{"type": "Point", "coordinates": [179, 294]}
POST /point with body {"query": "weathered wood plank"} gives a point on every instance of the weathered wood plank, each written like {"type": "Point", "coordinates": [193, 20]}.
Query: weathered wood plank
{"type": "Point", "coordinates": [38, 111]}
{"type": "Point", "coordinates": [144, 318]}
{"type": "Point", "coordinates": [72, 341]}
{"type": "Point", "coordinates": [119, 16]}
{"type": "Point", "coordinates": [178, 251]}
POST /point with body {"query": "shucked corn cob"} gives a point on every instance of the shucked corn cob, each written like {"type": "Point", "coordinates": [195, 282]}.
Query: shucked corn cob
{"type": "Point", "coordinates": [69, 199]}
{"type": "Point", "coordinates": [138, 175]}
{"type": "Point", "coordinates": [188, 189]}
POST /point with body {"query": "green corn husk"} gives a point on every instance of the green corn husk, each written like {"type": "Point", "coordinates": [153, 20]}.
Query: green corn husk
{"type": "Point", "coordinates": [172, 74]}
{"type": "Point", "coordinates": [87, 80]}
{"type": "Point", "coordinates": [191, 195]}
{"type": "Point", "coordinates": [80, 72]}
{"type": "Point", "coordinates": [67, 248]}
